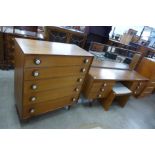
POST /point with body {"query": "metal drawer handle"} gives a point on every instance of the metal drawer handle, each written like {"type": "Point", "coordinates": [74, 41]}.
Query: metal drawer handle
{"type": "Point", "coordinates": [99, 95]}
{"type": "Point", "coordinates": [77, 89]}
{"type": "Point", "coordinates": [33, 99]}
{"type": "Point", "coordinates": [35, 73]}
{"type": "Point", "coordinates": [74, 99]}
{"type": "Point", "coordinates": [32, 111]}
{"type": "Point", "coordinates": [83, 70]}
{"type": "Point", "coordinates": [86, 61]}
{"type": "Point", "coordinates": [105, 84]}
{"type": "Point", "coordinates": [37, 61]}
{"type": "Point", "coordinates": [102, 89]}
{"type": "Point", "coordinates": [34, 86]}
{"type": "Point", "coordinates": [80, 80]}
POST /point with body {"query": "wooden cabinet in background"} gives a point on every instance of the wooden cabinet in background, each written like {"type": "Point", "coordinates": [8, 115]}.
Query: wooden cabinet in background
{"type": "Point", "coordinates": [9, 47]}
{"type": "Point", "coordinates": [64, 35]}
{"type": "Point", "coordinates": [1, 51]}
{"type": "Point", "coordinates": [48, 76]}
{"type": "Point", "coordinates": [147, 69]}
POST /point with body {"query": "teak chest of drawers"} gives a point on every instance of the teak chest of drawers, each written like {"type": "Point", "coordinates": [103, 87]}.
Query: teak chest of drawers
{"type": "Point", "coordinates": [48, 75]}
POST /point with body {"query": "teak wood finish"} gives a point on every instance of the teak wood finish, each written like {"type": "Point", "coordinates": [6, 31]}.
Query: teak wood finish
{"type": "Point", "coordinates": [119, 92]}
{"type": "Point", "coordinates": [65, 35]}
{"type": "Point", "coordinates": [109, 64]}
{"type": "Point", "coordinates": [147, 69]}
{"type": "Point", "coordinates": [100, 81]}
{"type": "Point", "coordinates": [48, 75]}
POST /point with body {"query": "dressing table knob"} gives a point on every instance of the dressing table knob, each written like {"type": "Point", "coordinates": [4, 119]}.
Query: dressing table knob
{"type": "Point", "coordinates": [33, 98]}
{"type": "Point", "coordinates": [80, 80]}
{"type": "Point", "coordinates": [74, 99]}
{"type": "Point", "coordinates": [77, 89]}
{"type": "Point", "coordinates": [102, 89]}
{"type": "Point", "coordinates": [83, 70]}
{"type": "Point", "coordinates": [99, 95]}
{"type": "Point", "coordinates": [105, 84]}
{"type": "Point", "coordinates": [35, 73]}
{"type": "Point", "coordinates": [34, 86]}
{"type": "Point", "coordinates": [32, 111]}
{"type": "Point", "coordinates": [86, 61]}
{"type": "Point", "coordinates": [37, 61]}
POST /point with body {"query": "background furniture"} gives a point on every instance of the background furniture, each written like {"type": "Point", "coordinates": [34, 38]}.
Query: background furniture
{"type": "Point", "coordinates": [147, 69]}
{"type": "Point", "coordinates": [48, 76]}
{"type": "Point", "coordinates": [135, 61]}
{"type": "Point", "coordinates": [65, 35]}
{"type": "Point", "coordinates": [103, 52]}
{"type": "Point", "coordinates": [26, 28]}
{"type": "Point", "coordinates": [109, 64]}
{"type": "Point", "coordinates": [1, 50]}
{"type": "Point", "coordinates": [9, 45]}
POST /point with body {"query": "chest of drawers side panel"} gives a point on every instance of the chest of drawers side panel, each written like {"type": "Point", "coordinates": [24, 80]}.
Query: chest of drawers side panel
{"type": "Point", "coordinates": [19, 76]}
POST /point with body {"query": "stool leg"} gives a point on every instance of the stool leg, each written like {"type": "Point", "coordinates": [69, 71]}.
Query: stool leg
{"type": "Point", "coordinates": [106, 103]}
{"type": "Point", "coordinates": [122, 100]}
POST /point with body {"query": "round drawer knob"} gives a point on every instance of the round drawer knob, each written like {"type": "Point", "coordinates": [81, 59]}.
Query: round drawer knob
{"type": "Point", "coordinates": [34, 86]}
{"type": "Point", "coordinates": [102, 89]}
{"type": "Point", "coordinates": [99, 95]}
{"type": "Point", "coordinates": [74, 99]}
{"type": "Point", "coordinates": [37, 61]}
{"type": "Point", "coordinates": [135, 92]}
{"type": "Point", "coordinates": [80, 80]}
{"type": "Point", "coordinates": [32, 111]}
{"type": "Point", "coordinates": [105, 84]}
{"type": "Point", "coordinates": [77, 89]}
{"type": "Point", "coordinates": [86, 61]}
{"type": "Point", "coordinates": [33, 98]}
{"type": "Point", "coordinates": [35, 73]}
{"type": "Point", "coordinates": [83, 70]}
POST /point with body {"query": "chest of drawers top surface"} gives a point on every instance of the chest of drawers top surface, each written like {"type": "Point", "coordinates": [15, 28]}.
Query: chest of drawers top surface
{"type": "Point", "coordinates": [37, 47]}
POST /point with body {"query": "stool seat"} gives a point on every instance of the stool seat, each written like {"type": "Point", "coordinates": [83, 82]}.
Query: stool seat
{"type": "Point", "coordinates": [119, 89]}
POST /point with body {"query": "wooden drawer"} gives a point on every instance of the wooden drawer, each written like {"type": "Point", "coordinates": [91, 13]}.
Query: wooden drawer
{"type": "Point", "coordinates": [97, 86]}
{"type": "Point", "coordinates": [151, 84]}
{"type": "Point", "coordinates": [54, 83]}
{"type": "Point", "coordinates": [50, 61]}
{"type": "Point", "coordinates": [100, 89]}
{"type": "Point", "coordinates": [140, 87]}
{"type": "Point", "coordinates": [37, 97]}
{"type": "Point", "coordinates": [40, 108]}
{"type": "Point", "coordinates": [148, 89]}
{"type": "Point", "coordinates": [53, 72]}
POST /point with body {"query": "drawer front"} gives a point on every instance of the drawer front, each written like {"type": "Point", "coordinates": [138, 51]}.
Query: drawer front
{"type": "Point", "coordinates": [149, 90]}
{"type": "Point", "coordinates": [143, 94]}
{"type": "Point", "coordinates": [151, 84]}
{"type": "Point", "coordinates": [100, 90]}
{"type": "Point", "coordinates": [43, 73]}
{"type": "Point", "coordinates": [36, 109]}
{"type": "Point", "coordinates": [54, 83]}
{"type": "Point", "coordinates": [97, 86]}
{"type": "Point", "coordinates": [140, 87]}
{"type": "Point", "coordinates": [38, 97]}
{"type": "Point", "coordinates": [53, 61]}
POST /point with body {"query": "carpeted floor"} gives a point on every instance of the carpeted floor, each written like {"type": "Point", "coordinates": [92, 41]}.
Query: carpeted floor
{"type": "Point", "coordinates": [138, 113]}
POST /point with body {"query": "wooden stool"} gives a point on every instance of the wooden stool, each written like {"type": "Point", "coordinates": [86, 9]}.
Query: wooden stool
{"type": "Point", "coordinates": [121, 92]}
